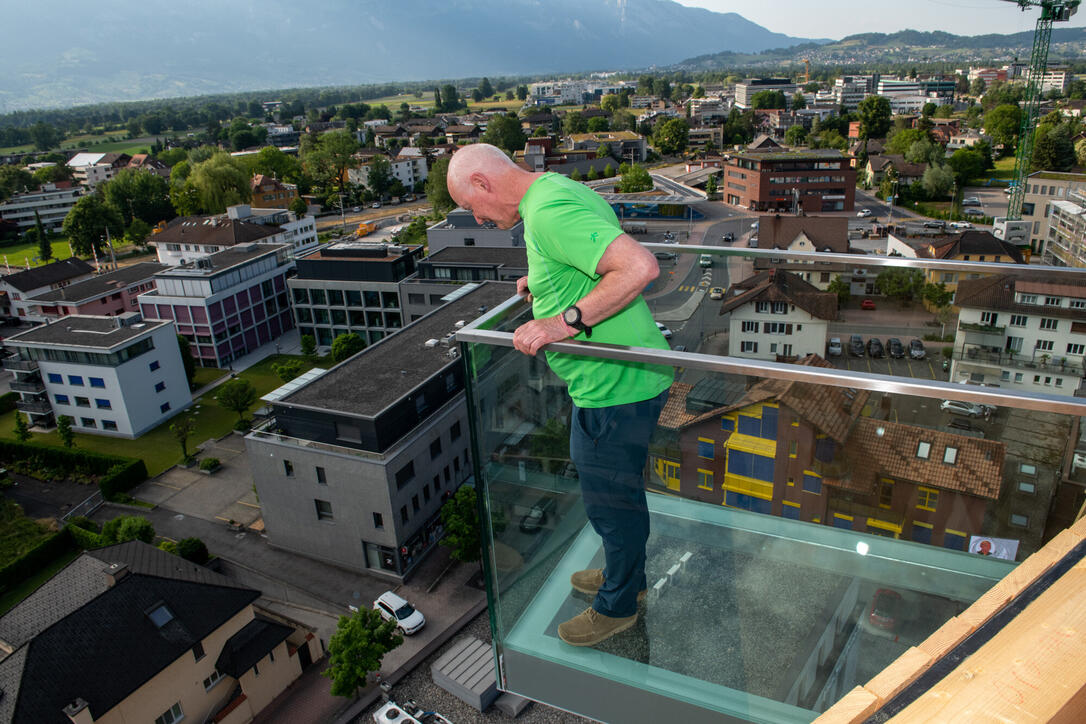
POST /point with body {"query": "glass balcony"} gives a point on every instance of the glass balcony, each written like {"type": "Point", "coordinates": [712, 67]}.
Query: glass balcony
{"type": "Point", "coordinates": [812, 516]}
{"type": "Point", "coordinates": [16, 364]}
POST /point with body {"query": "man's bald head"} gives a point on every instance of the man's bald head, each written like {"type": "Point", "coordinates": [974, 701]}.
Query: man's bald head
{"type": "Point", "coordinates": [482, 179]}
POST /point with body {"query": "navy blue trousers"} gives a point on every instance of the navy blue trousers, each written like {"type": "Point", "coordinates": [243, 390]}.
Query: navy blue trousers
{"type": "Point", "coordinates": [609, 446]}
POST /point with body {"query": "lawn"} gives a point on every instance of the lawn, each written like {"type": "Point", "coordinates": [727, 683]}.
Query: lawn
{"type": "Point", "coordinates": [17, 593]}
{"type": "Point", "coordinates": [206, 375]}
{"type": "Point", "coordinates": [24, 252]}
{"type": "Point", "coordinates": [158, 448]}
{"type": "Point", "coordinates": [18, 534]}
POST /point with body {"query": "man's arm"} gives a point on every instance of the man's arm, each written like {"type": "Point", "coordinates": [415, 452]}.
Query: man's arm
{"type": "Point", "coordinates": [625, 269]}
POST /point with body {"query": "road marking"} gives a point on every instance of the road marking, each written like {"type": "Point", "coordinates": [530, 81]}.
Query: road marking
{"type": "Point", "coordinates": [248, 505]}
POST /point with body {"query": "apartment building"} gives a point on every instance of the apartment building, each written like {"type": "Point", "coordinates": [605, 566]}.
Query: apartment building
{"type": "Point", "coordinates": [460, 228]}
{"type": "Point", "coordinates": [194, 237]}
{"type": "Point", "coordinates": [226, 304]}
{"type": "Point", "coordinates": [355, 465]}
{"type": "Point", "coordinates": [411, 171]}
{"type": "Point", "coordinates": [18, 288]}
{"type": "Point", "coordinates": [745, 90]}
{"type": "Point", "coordinates": [850, 90]}
{"type": "Point", "coordinates": [627, 145]}
{"type": "Point", "coordinates": [142, 635]}
{"type": "Point", "coordinates": [1042, 189]}
{"type": "Point", "coordinates": [118, 376]}
{"type": "Point", "coordinates": [107, 294]}
{"type": "Point", "coordinates": [1026, 333]}
{"type": "Point", "coordinates": [451, 272]}
{"type": "Point", "coordinates": [52, 202]}
{"type": "Point", "coordinates": [91, 169]}
{"type": "Point", "coordinates": [826, 234]}
{"type": "Point", "coordinates": [271, 193]}
{"type": "Point", "coordinates": [351, 286]}
{"type": "Point", "coordinates": [812, 181]}
{"type": "Point", "coordinates": [775, 315]}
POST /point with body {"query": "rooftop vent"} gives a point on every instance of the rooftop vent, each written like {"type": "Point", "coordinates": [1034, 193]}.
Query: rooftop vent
{"type": "Point", "coordinates": [460, 324]}
{"type": "Point", "coordinates": [431, 342]}
{"type": "Point", "coordinates": [115, 572]}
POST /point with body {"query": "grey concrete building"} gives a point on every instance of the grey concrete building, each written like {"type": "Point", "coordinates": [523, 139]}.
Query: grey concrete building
{"type": "Point", "coordinates": [459, 228]}
{"type": "Point", "coordinates": [443, 275]}
{"type": "Point", "coordinates": [351, 286]}
{"type": "Point", "coordinates": [354, 464]}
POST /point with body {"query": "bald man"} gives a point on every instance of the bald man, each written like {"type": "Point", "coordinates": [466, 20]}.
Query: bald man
{"type": "Point", "coordinates": [585, 279]}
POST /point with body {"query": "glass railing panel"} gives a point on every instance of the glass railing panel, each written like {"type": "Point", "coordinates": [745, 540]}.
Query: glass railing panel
{"type": "Point", "coordinates": [787, 562]}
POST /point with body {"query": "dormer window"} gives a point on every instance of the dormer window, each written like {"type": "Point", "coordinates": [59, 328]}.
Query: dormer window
{"type": "Point", "coordinates": [923, 450]}
{"type": "Point", "coordinates": [160, 615]}
{"type": "Point", "coordinates": [950, 455]}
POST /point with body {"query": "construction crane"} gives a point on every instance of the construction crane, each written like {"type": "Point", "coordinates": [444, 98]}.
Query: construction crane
{"type": "Point", "coordinates": [807, 71]}
{"type": "Point", "coordinates": [1052, 11]}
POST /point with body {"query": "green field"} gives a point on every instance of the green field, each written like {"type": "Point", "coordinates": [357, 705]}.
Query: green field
{"type": "Point", "coordinates": [158, 448]}
{"type": "Point", "coordinates": [100, 142]}
{"type": "Point", "coordinates": [24, 252]}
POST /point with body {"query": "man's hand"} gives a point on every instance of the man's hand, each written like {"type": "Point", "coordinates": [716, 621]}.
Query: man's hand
{"type": "Point", "coordinates": [532, 336]}
{"type": "Point", "coordinates": [522, 289]}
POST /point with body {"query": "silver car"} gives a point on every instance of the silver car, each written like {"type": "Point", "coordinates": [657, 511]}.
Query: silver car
{"type": "Point", "coordinates": [971, 409]}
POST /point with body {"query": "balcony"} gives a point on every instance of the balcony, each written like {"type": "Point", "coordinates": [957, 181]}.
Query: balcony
{"type": "Point", "coordinates": [15, 364]}
{"type": "Point", "coordinates": [267, 431]}
{"type": "Point", "coordinates": [785, 500]}
{"type": "Point", "coordinates": [984, 356]}
{"type": "Point", "coordinates": [34, 407]}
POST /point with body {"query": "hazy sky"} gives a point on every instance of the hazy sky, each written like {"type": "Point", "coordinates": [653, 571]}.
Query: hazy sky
{"type": "Point", "coordinates": [838, 18]}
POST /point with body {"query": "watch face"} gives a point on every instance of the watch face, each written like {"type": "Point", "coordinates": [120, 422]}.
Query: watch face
{"type": "Point", "coordinates": [571, 316]}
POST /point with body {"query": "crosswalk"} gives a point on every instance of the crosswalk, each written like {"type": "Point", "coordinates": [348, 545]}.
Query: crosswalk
{"type": "Point", "coordinates": [691, 288]}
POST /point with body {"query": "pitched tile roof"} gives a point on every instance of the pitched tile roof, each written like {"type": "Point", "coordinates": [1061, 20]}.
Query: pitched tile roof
{"type": "Point", "coordinates": [976, 242]}
{"type": "Point", "coordinates": [250, 644]}
{"type": "Point", "coordinates": [903, 167]}
{"type": "Point", "coordinates": [998, 292]}
{"type": "Point", "coordinates": [827, 233]}
{"type": "Point", "coordinates": [46, 274]}
{"type": "Point", "coordinates": [879, 448]}
{"type": "Point", "coordinates": [102, 284]}
{"type": "Point", "coordinates": [218, 230]}
{"type": "Point", "coordinates": [777, 285]}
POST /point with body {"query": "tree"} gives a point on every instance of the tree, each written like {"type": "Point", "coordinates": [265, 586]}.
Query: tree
{"type": "Point", "coordinates": [671, 136]}
{"type": "Point", "coordinates": [967, 164]}
{"type": "Point", "coordinates": [218, 182]}
{"type": "Point", "coordinates": [944, 111]}
{"type": "Point", "coordinates": [710, 185]}
{"type": "Point", "coordinates": [902, 284]}
{"type": "Point", "coordinates": [450, 99]}
{"type": "Point", "coordinates": [14, 180]}
{"type": "Point", "coordinates": [937, 181]}
{"type": "Point", "coordinates": [87, 222]}
{"type": "Point", "coordinates": [977, 87]}
{"type": "Point", "coordinates": [505, 132]}
{"type": "Point", "coordinates": [124, 528]}
{"type": "Point", "coordinates": [634, 178]}
{"type": "Point", "coordinates": [64, 431]}
{"type": "Point", "coordinates": [574, 122]}
{"type": "Point", "coordinates": [45, 247]}
{"type": "Point", "coordinates": [346, 345]}
{"type": "Point", "coordinates": [138, 232]}
{"type": "Point", "coordinates": [841, 288]}
{"type": "Point", "coordinates": [769, 99]}
{"type": "Point", "coordinates": [799, 101]}
{"type": "Point", "coordinates": [299, 207]}
{"type": "Point", "coordinates": [185, 347]}
{"type": "Point", "coordinates": [608, 171]}
{"type": "Point", "coordinates": [795, 135]}
{"type": "Point", "coordinates": [460, 517]}
{"type": "Point", "coordinates": [437, 190]}
{"type": "Point", "coordinates": [379, 177]}
{"type": "Point", "coordinates": [575, 175]}
{"type": "Point", "coordinates": [486, 88]}
{"type": "Point", "coordinates": [22, 430]}
{"type": "Point", "coordinates": [1080, 152]}
{"type": "Point", "coordinates": [920, 151]}
{"type": "Point", "coordinates": [182, 428]}
{"type": "Point", "coordinates": [1053, 149]}
{"type": "Point", "coordinates": [289, 369]}
{"type": "Point", "coordinates": [193, 549]}
{"type": "Point", "coordinates": [237, 395]}
{"type": "Point", "coordinates": [610, 103]}
{"type": "Point", "coordinates": [308, 346]}
{"type": "Point", "coordinates": [1002, 122]}
{"type": "Point", "coordinates": [875, 114]}
{"type": "Point", "coordinates": [522, 92]}
{"type": "Point", "coordinates": [330, 157]}
{"type": "Point", "coordinates": [937, 295]}
{"type": "Point", "coordinates": [139, 194]}
{"type": "Point", "coordinates": [45, 136]}
{"type": "Point", "coordinates": [901, 140]}
{"type": "Point", "coordinates": [598, 124]}
{"type": "Point", "coordinates": [271, 161]}
{"type": "Point", "coordinates": [928, 110]}
{"type": "Point", "coordinates": [356, 649]}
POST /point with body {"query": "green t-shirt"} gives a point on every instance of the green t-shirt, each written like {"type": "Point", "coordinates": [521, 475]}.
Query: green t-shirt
{"type": "Point", "coordinates": [567, 227]}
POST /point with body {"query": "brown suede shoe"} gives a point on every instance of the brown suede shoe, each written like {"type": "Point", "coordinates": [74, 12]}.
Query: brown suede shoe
{"type": "Point", "coordinates": [590, 580]}
{"type": "Point", "coordinates": [591, 627]}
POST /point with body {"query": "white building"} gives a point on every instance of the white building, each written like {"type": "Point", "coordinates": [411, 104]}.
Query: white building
{"type": "Point", "coordinates": [118, 376]}
{"type": "Point", "coordinates": [776, 315]}
{"type": "Point", "coordinates": [17, 289]}
{"type": "Point", "coordinates": [195, 237]}
{"type": "Point", "coordinates": [909, 104]}
{"type": "Point", "coordinates": [745, 90]}
{"type": "Point", "coordinates": [51, 201]}
{"type": "Point", "coordinates": [1056, 78]}
{"type": "Point", "coordinates": [1026, 333]}
{"type": "Point", "coordinates": [409, 169]}
{"type": "Point", "coordinates": [1046, 194]}
{"type": "Point", "coordinates": [91, 169]}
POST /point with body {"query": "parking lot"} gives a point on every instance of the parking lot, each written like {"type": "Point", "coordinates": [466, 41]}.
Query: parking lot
{"type": "Point", "coordinates": [927, 369]}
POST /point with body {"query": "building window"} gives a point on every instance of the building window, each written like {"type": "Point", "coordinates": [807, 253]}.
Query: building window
{"type": "Point", "coordinates": [321, 479]}
{"type": "Point", "coordinates": [171, 715]}
{"type": "Point", "coordinates": [61, 399]}
{"type": "Point", "coordinates": [215, 678]}
{"type": "Point", "coordinates": [109, 425]}
{"type": "Point", "coordinates": [415, 503]}
{"type": "Point", "coordinates": [435, 449]}
{"type": "Point", "coordinates": [88, 422]}
{"type": "Point", "coordinates": [812, 484]}
{"type": "Point", "coordinates": [751, 347]}
{"type": "Point", "coordinates": [886, 493]}
{"type": "Point", "coordinates": [927, 498]}
{"type": "Point", "coordinates": [1076, 348]}
{"type": "Point", "coordinates": [154, 365]}
{"type": "Point", "coordinates": [378, 521]}
{"type": "Point", "coordinates": [705, 479]}
{"type": "Point", "coordinates": [160, 386]}
{"type": "Point", "coordinates": [705, 448]}
{"type": "Point", "coordinates": [454, 431]}
{"type": "Point", "coordinates": [348, 433]}
{"type": "Point", "coordinates": [1047, 323]}
{"type": "Point", "coordinates": [405, 474]}
{"type": "Point", "coordinates": [103, 404]}
{"type": "Point", "coordinates": [324, 509]}
{"type": "Point", "coordinates": [82, 401]}
{"type": "Point", "coordinates": [923, 450]}
{"type": "Point", "coordinates": [403, 514]}
{"type": "Point", "coordinates": [988, 317]}
{"type": "Point", "coordinates": [1022, 521]}
{"type": "Point", "coordinates": [75, 380]}
{"type": "Point", "coordinates": [198, 651]}
{"type": "Point", "coordinates": [288, 468]}
{"type": "Point", "coordinates": [1024, 486]}
{"type": "Point", "coordinates": [1027, 469]}
{"type": "Point", "coordinates": [1052, 301]}
{"type": "Point", "coordinates": [1019, 320]}
{"type": "Point", "coordinates": [750, 327]}
{"type": "Point", "coordinates": [1044, 345]}
{"type": "Point", "coordinates": [56, 379]}
{"type": "Point", "coordinates": [426, 489]}
{"type": "Point", "coordinates": [96, 382]}
{"type": "Point", "coordinates": [164, 407]}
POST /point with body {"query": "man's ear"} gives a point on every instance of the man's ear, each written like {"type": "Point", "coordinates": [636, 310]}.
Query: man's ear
{"type": "Point", "coordinates": [480, 182]}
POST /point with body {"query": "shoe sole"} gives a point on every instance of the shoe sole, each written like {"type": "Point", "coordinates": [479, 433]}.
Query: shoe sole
{"type": "Point", "coordinates": [593, 642]}
{"type": "Point", "coordinates": [593, 591]}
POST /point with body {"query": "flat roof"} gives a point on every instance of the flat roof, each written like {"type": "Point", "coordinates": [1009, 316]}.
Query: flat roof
{"type": "Point", "coordinates": [223, 261]}
{"type": "Point", "coordinates": [506, 256]}
{"type": "Point", "coordinates": [386, 371]}
{"type": "Point", "coordinates": [81, 330]}
{"type": "Point", "coordinates": [95, 287]}
{"type": "Point", "coordinates": [785, 155]}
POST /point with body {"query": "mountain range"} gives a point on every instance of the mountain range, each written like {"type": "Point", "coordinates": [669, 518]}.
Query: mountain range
{"type": "Point", "coordinates": [70, 52]}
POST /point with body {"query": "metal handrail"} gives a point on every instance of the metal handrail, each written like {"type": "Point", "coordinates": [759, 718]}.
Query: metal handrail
{"type": "Point", "coordinates": [477, 332]}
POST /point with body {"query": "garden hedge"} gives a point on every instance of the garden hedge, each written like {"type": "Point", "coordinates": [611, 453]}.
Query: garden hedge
{"type": "Point", "coordinates": [35, 559]}
{"type": "Point", "coordinates": [116, 475]}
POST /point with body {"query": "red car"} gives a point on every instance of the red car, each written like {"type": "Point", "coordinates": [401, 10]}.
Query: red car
{"type": "Point", "coordinates": [867, 304]}
{"type": "Point", "coordinates": [885, 609]}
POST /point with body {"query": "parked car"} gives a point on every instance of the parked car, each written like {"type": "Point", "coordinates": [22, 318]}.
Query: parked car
{"type": "Point", "coordinates": [971, 409]}
{"type": "Point", "coordinates": [916, 349]}
{"type": "Point", "coordinates": [895, 348]}
{"type": "Point", "coordinates": [973, 212]}
{"type": "Point", "coordinates": [705, 260]}
{"type": "Point", "coordinates": [971, 201]}
{"type": "Point", "coordinates": [856, 346]}
{"type": "Point", "coordinates": [729, 237]}
{"type": "Point", "coordinates": [716, 293]}
{"type": "Point", "coordinates": [885, 609]}
{"type": "Point", "coordinates": [1078, 462]}
{"type": "Point", "coordinates": [393, 608]}
{"type": "Point", "coordinates": [868, 304]}
{"type": "Point", "coordinates": [834, 349]}
{"type": "Point", "coordinates": [665, 255]}
{"type": "Point", "coordinates": [664, 331]}
{"type": "Point", "coordinates": [960, 225]}
{"type": "Point", "coordinates": [1010, 189]}
{"type": "Point", "coordinates": [934, 224]}
{"type": "Point", "coordinates": [356, 209]}
{"type": "Point", "coordinates": [534, 519]}
{"type": "Point", "coordinates": [874, 347]}
{"type": "Point", "coordinates": [375, 205]}
{"type": "Point", "coordinates": [753, 243]}
{"type": "Point", "coordinates": [863, 213]}
{"type": "Point", "coordinates": [754, 225]}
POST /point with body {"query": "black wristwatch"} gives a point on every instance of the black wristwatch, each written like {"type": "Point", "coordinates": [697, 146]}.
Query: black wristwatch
{"type": "Point", "coordinates": [572, 317]}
